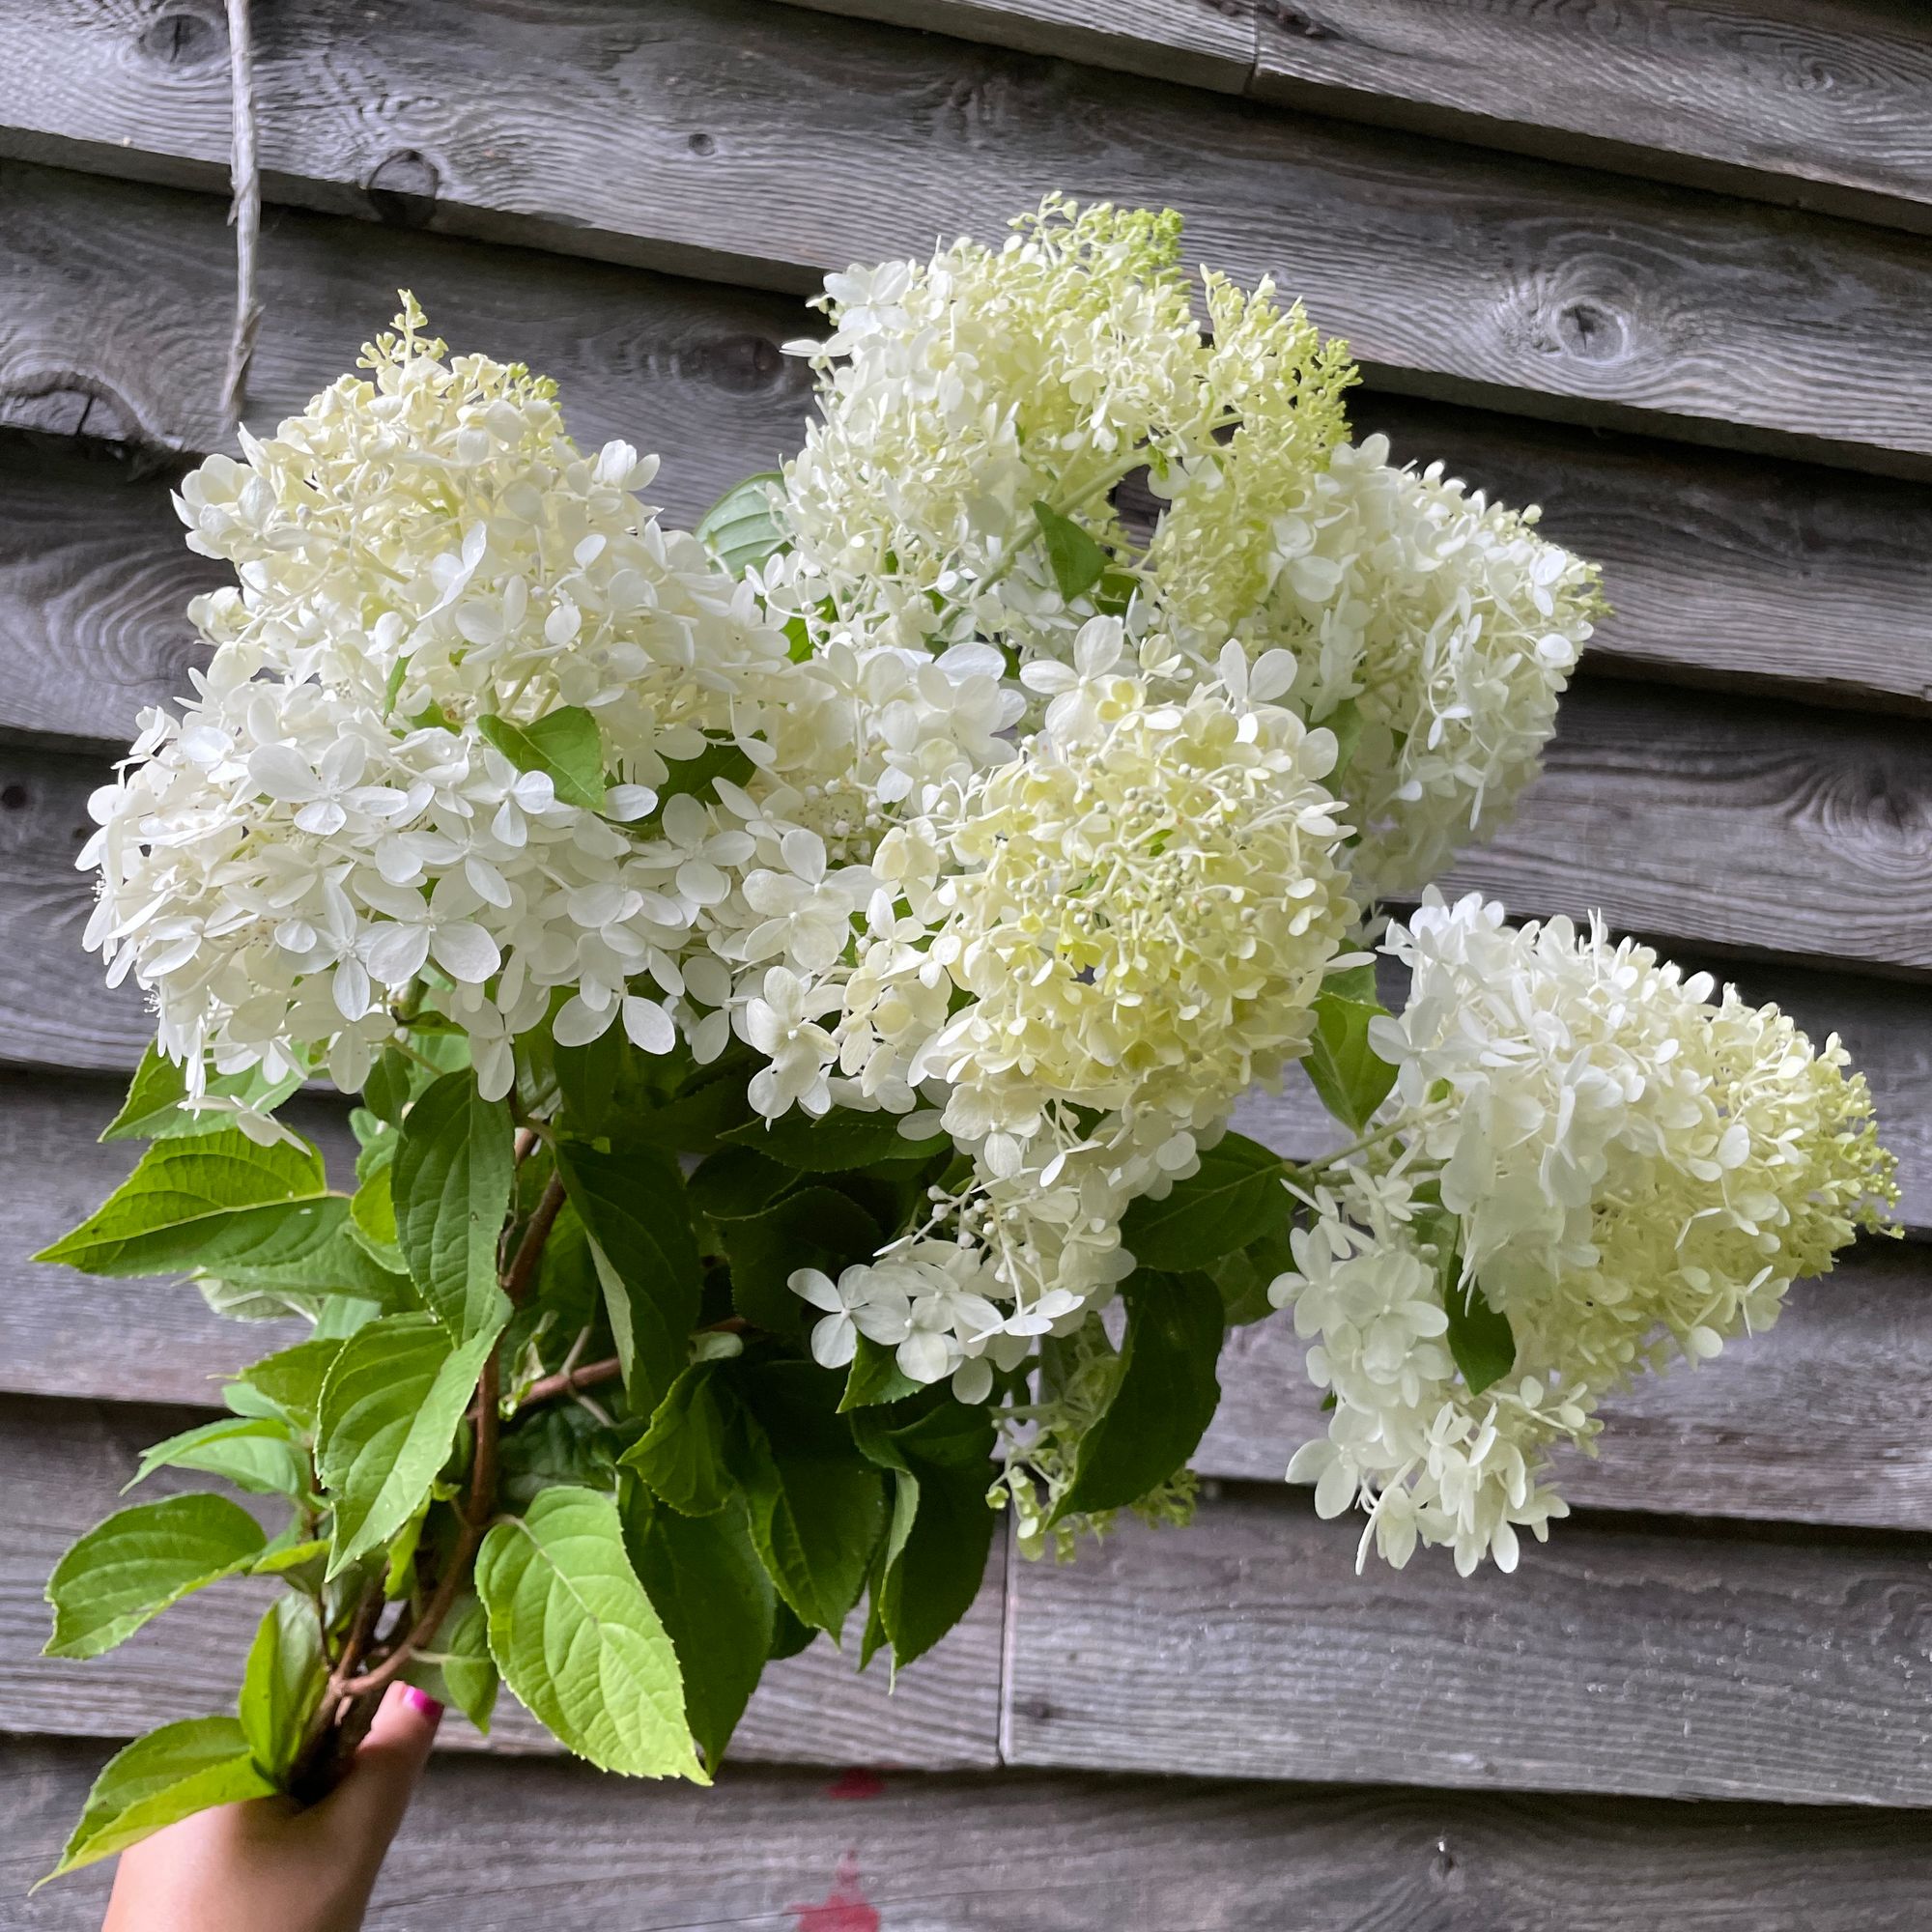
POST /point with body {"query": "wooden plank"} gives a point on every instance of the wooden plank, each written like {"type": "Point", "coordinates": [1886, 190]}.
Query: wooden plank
{"type": "Point", "coordinates": [1754, 828]}
{"type": "Point", "coordinates": [717, 137]}
{"type": "Point", "coordinates": [93, 590]}
{"type": "Point", "coordinates": [1198, 43]}
{"type": "Point", "coordinates": [66, 1461]}
{"type": "Point", "coordinates": [685, 368]}
{"type": "Point", "coordinates": [1783, 1666]}
{"type": "Point", "coordinates": [1725, 570]}
{"type": "Point", "coordinates": [498, 1848]}
{"type": "Point", "coordinates": [1819, 104]}
{"type": "Point", "coordinates": [1819, 1419]}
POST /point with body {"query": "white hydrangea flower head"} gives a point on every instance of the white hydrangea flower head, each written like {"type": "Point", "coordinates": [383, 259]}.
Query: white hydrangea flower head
{"type": "Point", "coordinates": [1443, 628]}
{"type": "Point", "coordinates": [1629, 1169]}
{"type": "Point", "coordinates": [331, 827]}
{"type": "Point", "coordinates": [957, 393]}
{"type": "Point", "coordinates": [1141, 910]}
{"type": "Point", "coordinates": [1081, 957]}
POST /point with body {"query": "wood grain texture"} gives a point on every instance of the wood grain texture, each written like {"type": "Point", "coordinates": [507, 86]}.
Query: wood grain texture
{"type": "Point", "coordinates": [115, 324]}
{"type": "Point", "coordinates": [1787, 1666]}
{"type": "Point", "coordinates": [1819, 1419]}
{"type": "Point", "coordinates": [498, 1848]}
{"type": "Point", "coordinates": [1726, 572]}
{"type": "Point", "coordinates": [727, 138]}
{"type": "Point", "coordinates": [66, 1461]}
{"type": "Point", "coordinates": [1725, 826]}
{"type": "Point", "coordinates": [93, 590]}
{"type": "Point", "coordinates": [1197, 42]}
{"type": "Point", "coordinates": [1821, 103]}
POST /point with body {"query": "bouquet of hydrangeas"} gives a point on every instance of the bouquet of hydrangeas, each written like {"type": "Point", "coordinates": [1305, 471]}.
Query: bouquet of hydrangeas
{"type": "Point", "coordinates": [797, 976]}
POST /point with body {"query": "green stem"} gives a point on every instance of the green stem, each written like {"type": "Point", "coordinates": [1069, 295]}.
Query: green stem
{"type": "Point", "coordinates": [1300, 1170]}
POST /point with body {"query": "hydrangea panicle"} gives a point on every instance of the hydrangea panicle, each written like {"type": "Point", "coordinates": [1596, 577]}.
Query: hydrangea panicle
{"type": "Point", "coordinates": [1629, 1165]}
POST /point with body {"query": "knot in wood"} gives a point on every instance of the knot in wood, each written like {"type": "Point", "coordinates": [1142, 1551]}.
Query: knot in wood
{"type": "Point", "coordinates": [1590, 332]}
{"type": "Point", "coordinates": [742, 365]}
{"type": "Point", "coordinates": [183, 38]}
{"type": "Point", "coordinates": [1293, 20]}
{"type": "Point", "coordinates": [401, 188]}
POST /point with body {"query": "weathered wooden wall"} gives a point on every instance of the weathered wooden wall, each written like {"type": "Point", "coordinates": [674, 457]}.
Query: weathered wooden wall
{"type": "Point", "coordinates": [1660, 264]}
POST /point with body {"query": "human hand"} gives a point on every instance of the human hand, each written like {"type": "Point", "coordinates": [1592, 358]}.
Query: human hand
{"type": "Point", "coordinates": [271, 1863]}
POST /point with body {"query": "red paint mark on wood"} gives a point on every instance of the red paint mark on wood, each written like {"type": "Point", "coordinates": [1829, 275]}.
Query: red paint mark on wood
{"type": "Point", "coordinates": [844, 1909]}
{"type": "Point", "coordinates": [856, 1783]}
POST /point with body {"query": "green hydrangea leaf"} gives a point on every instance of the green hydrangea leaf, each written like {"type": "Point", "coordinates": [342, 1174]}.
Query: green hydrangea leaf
{"type": "Point", "coordinates": [1163, 1399]}
{"type": "Point", "coordinates": [741, 528]}
{"type": "Point", "coordinates": [704, 1579]}
{"type": "Point", "coordinates": [587, 1077]}
{"type": "Point", "coordinates": [372, 1218]}
{"type": "Point", "coordinates": [258, 1454]}
{"type": "Point", "coordinates": [562, 1442]}
{"type": "Point", "coordinates": [693, 1122]}
{"type": "Point", "coordinates": [1481, 1342]}
{"type": "Point", "coordinates": [152, 1109]}
{"type": "Point", "coordinates": [790, 1636]}
{"type": "Point", "coordinates": [737, 1183]}
{"type": "Point", "coordinates": [389, 1087]}
{"type": "Point", "coordinates": [1236, 1198]}
{"type": "Point", "coordinates": [1346, 722]}
{"type": "Point", "coordinates": [389, 1410]}
{"type": "Point", "coordinates": [565, 745]}
{"type": "Point", "coordinates": [874, 1378]}
{"type": "Point", "coordinates": [141, 1560]}
{"type": "Point", "coordinates": [817, 1504]}
{"type": "Point", "coordinates": [934, 1557]}
{"type": "Point", "coordinates": [158, 1781]}
{"type": "Point", "coordinates": [459, 1669]}
{"type": "Point", "coordinates": [632, 1204]}
{"type": "Point", "coordinates": [282, 1683]}
{"type": "Point", "coordinates": [817, 1228]}
{"type": "Point", "coordinates": [834, 1141]}
{"type": "Point", "coordinates": [1246, 1276]}
{"type": "Point", "coordinates": [313, 1250]}
{"type": "Point", "coordinates": [201, 1202]}
{"type": "Point", "coordinates": [1076, 557]}
{"type": "Point", "coordinates": [280, 1558]}
{"type": "Point", "coordinates": [697, 777]}
{"type": "Point", "coordinates": [451, 1180]}
{"type": "Point", "coordinates": [1350, 1077]}
{"type": "Point", "coordinates": [681, 1457]}
{"type": "Point", "coordinates": [287, 1383]}
{"type": "Point", "coordinates": [576, 1639]}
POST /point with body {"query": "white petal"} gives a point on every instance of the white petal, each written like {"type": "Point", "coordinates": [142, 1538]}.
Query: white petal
{"type": "Point", "coordinates": [833, 1342]}
{"type": "Point", "coordinates": [397, 952]}
{"type": "Point", "coordinates": [924, 1357]}
{"type": "Point", "coordinates": [578, 1024]}
{"type": "Point", "coordinates": [815, 1285]}
{"type": "Point", "coordinates": [650, 1026]}
{"type": "Point", "coordinates": [464, 952]}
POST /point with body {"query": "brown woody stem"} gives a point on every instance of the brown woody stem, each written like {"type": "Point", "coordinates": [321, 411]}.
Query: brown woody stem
{"type": "Point", "coordinates": [521, 1271]}
{"type": "Point", "coordinates": [567, 1382]}
{"type": "Point", "coordinates": [351, 1698]}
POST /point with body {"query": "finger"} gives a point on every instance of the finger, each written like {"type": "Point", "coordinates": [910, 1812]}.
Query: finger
{"type": "Point", "coordinates": [368, 1805]}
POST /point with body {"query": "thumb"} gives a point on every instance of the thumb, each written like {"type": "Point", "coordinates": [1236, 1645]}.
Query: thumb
{"type": "Point", "coordinates": [368, 1805]}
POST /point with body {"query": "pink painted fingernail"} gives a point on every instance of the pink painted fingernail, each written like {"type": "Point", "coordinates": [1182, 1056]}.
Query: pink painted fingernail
{"type": "Point", "coordinates": [421, 1701]}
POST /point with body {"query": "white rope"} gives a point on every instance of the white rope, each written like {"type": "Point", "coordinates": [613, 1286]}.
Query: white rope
{"type": "Point", "coordinates": [244, 210]}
